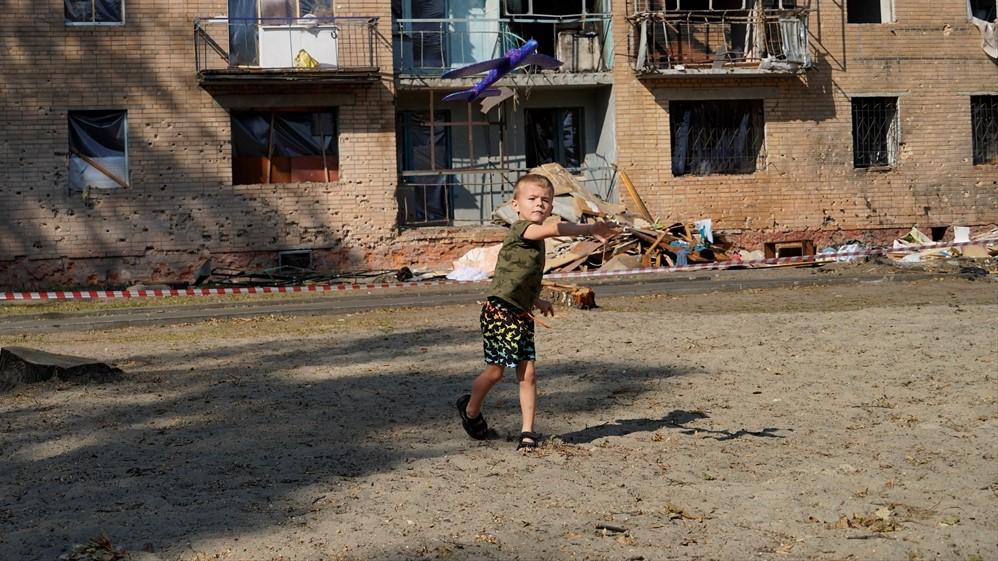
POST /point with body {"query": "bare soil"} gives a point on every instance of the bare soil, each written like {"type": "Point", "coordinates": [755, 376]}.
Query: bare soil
{"type": "Point", "coordinates": [843, 422]}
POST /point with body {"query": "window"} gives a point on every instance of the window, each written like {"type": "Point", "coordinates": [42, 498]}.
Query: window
{"type": "Point", "coordinates": [874, 132]}
{"type": "Point", "coordinates": [424, 199]}
{"type": "Point", "coordinates": [554, 135]}
{"type": "Point", "coordinates": [284, 147]}
{"type": "Point", "coordinates": [870, 11]}
{"type": "Point", "coordinates": [98, 155]}
{"type": "Point", "coordinates": [94, 11]}
{"type": "Point", "coordinates": [984, 121]}
{"type": "Point", "coordinates": [295, 8]}
{"type": "Point", "coordinates": [985, 10]}
{"type": "Point", "coordinates": [716, 137]}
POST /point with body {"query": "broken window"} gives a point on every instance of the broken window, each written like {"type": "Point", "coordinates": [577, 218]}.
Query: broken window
{"type": "Point", "coordinates": [874, 131]}
{"type": "Point", "coordinates": [284, 147]}
{"type": "Point", "coordinates": [716, 137]}
{"type": "Point", "coordinates": [554, 135]}
{"type": "Point", "coordinates": [94, 11]}
{"type": "Point", "coordinates": [425, 199]}
{"type": "Point", "coordinates": [984, 122]}
{"type": "Point", "coordinates": [870, 11]}
{"type": "Point", "coordinates": [98, 157]}
{"type": "Point", "coordinates": [295, 8]}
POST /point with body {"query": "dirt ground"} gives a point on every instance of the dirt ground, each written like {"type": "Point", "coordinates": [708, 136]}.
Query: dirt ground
{"type": "Point", "coordinates": [847, 422]}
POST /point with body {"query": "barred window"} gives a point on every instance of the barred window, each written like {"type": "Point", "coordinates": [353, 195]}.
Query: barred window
{"type": "Point", "coordinates": [874, 132]}
{"type": "Point", "coordinates": [984, 122]}
{"type": "Point", "coordinates": [716, 137]}
{"type": "Point", "coordinates": [94, 11]}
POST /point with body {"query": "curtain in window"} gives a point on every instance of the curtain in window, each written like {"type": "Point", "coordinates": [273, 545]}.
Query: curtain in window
{"type": "Point", "coordinates": [97, 155]}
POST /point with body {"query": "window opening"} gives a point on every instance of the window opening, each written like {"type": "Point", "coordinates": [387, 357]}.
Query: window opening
{"type": "Point", "coordinates": [554, 135]}
{"type": "Point", "coordinates": [426, 199]}
{"type": "Point", "coordinates": [94, 11]}
{"type": "Point", "coordinates": [98, 156]}
{"type": "Point", "coordinates": [716, 137]}
{"type": "Point", "coordinates": [874, 131]}
{"type": "Point", "coordinates": [984, 122]}
{"type": "Point", "coordinates": [284, 147]}
{"type": "Point", "coordinates": [985, 10]}
{"type": "Point", "coordinates": [870, 11]}
{"type": "Point", "coordinates": [298, 259]}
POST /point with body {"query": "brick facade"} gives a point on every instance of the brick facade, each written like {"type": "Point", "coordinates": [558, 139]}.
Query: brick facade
{"type": "Point", "coordinates": [181, 206]}
{"type": "Point", "coordinates": [930, 58]}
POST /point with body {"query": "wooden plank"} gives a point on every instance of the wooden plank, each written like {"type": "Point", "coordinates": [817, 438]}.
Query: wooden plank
{"type": "Point", "coordinates": [633, 193]}
{"type": "Point", "coordinates": [99, 167]}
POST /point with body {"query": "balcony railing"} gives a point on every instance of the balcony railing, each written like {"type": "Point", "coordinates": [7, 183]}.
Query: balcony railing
{"type": "Point", "coordinates": [430, 198]}
{"type": "Point", "coordinates": [429, 47]}
{"type": "Point", "coordinates": [756, 40]}
{"type": "Point", "coordinates": [306, 48]}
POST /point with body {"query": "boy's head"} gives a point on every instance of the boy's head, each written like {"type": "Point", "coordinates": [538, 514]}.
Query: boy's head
{"type": "Point", "coordinates": [533, 198]}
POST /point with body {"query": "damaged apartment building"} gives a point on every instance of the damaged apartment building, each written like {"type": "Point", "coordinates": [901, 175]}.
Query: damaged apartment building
{"type": "Point", "coordinates": [143, 139]}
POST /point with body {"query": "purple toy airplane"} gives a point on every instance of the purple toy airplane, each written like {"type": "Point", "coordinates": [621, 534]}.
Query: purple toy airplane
{"type": "Point", "coordinates": [497, 68]}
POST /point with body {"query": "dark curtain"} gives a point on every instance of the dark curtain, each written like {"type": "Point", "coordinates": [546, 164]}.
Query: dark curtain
{"type": "Point", "coordinates": [97, 134]}
{"type": "Point", "coordinates": [554, 135]}
{"type": "Point", "coordinates": [301, 147]}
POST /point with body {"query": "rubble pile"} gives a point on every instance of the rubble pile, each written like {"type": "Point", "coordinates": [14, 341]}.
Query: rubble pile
{"type": "Point", "coordinates": [642, 243]}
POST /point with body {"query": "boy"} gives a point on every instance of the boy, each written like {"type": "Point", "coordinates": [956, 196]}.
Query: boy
{"type": "Point", "coordinates": [507, 325]}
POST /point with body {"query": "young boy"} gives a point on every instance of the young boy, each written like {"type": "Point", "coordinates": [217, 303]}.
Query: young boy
{"type": "Point", "coordinates": [507, 324]}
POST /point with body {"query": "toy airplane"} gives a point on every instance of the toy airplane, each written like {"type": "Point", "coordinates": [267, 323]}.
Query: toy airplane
{"type": "Point", "coordinates": [497, 68]}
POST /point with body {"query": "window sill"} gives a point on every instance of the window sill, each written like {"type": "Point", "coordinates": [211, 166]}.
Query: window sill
{"type": "Point", "coordinates": [876, 169]}
{"type": "Point", "coordinates": [87, 24]}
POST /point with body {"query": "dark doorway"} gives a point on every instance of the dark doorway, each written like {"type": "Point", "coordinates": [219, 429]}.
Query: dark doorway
{"type": "Point", "coordinates": [554, 135]}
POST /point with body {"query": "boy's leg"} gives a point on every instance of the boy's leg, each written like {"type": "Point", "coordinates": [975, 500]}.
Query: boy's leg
{"type": "Point", "coordinates": [481, 386]}
{"type": "Point", "coordinates": [528, 393]}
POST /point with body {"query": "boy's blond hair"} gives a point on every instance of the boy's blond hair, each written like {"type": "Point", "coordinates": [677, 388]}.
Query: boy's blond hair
{"type": "Point", "coordinates": [534, 178]}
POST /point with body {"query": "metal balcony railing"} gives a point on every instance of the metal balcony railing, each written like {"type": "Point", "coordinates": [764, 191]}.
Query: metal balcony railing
{"type": "Point", "coordinates": [429, 200]}
{"type": "Point", "coordinates": [769, 37]}
{"type": "Point", "coordinates": [311, 44]}
{"type": "Point", "coordinates": [433, 46]}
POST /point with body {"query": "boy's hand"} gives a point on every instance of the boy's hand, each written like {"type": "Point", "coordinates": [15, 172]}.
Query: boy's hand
{"type": "Point", "coordinates": [606, 230]}
{"type": "Point", "coordinates": [545, 307]}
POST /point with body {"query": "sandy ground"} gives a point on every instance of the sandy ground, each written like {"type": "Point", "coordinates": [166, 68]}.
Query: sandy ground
{"type": "Point", "coordinates": [846, 422]}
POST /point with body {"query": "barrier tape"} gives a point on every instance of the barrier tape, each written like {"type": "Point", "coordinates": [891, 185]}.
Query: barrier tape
{"type": "Point", "coordinates": [60, 295]}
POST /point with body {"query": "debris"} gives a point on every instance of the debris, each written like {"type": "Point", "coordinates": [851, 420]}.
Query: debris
{"type": "Point", "coordinates": [610, 528]}
{"type": "Point", "coordinates": [633, 193]}
{"type": "Point", "coordinates": [569, 295]}
{"type": "Point", "coordinates": [23, 365]}
{"type": "Point", "coordinates": [99, 549]}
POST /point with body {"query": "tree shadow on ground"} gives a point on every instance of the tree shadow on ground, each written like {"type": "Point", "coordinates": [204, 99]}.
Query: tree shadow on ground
{"type": "Point", "coordinates": [252, 430]}
{"type": "Point", "coordinates": [677, 419]}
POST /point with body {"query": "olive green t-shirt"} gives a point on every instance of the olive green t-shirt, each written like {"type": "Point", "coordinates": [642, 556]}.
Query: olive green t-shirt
{"type": "Point", "coordinates": [519, 269]}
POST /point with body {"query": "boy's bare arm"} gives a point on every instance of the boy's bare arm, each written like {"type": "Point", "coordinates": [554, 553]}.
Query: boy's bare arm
{"type": "Point", "coordinates": [601, 230]}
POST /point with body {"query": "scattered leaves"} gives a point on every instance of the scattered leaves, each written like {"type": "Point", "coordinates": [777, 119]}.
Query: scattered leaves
{"type": "Point", "coordinates": [882, 520]}
{"type": "Point", "coordinates": [487, 538]}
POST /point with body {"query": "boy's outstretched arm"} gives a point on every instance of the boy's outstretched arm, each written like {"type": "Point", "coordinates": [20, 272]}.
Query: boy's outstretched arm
{"type": "Point", "coordinates": [602, 230]}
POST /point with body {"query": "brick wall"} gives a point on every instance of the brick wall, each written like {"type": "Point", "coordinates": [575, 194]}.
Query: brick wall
{"type": "Point", "coordinates": [930, 58]}
{"type": "Point", "coordinates": [181, 206]}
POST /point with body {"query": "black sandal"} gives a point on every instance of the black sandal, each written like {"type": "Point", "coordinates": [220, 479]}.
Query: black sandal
{"type": "Point", "coordinates": [529, 441]}
{"type": "Point", "coordinates": [476, 427]}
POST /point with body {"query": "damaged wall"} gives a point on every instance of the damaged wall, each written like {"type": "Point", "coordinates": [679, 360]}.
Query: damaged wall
{"type": "Point", "coordinates": [181, 204]}
{"type": "Point", "coordinates": [930, 58]}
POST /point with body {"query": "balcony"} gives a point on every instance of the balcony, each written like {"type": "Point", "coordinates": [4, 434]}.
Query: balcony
{"type": "Point", "coordinates": [719, 37]}
{"type": "Point", "coordinates": [426, 48]}
{"type": "Point", "coordinates": [235, 53]}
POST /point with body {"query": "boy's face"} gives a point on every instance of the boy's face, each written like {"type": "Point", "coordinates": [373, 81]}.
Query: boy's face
{"type": "Point", "coordinates": [534, 202]}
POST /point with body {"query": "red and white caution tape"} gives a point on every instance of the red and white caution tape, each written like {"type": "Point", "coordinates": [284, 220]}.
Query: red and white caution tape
{"type": "Point", "coordinates": [333, 288]}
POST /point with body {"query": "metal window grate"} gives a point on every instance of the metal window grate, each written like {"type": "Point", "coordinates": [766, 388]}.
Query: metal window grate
{"type": "Point", "coordinates": [874, 131]}
{"type": "Point", "coordinates": [716, 137]}
{"type": "Point", "coordinates": [984, 122]}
